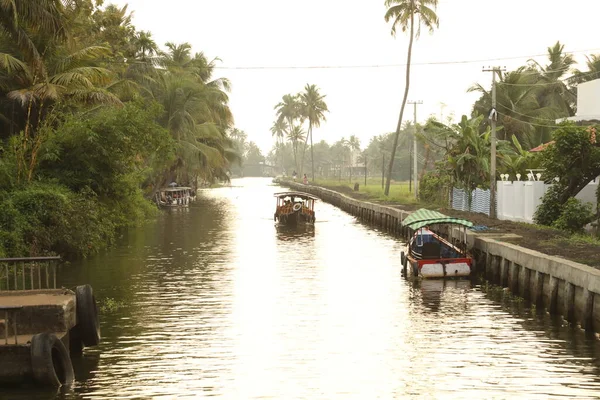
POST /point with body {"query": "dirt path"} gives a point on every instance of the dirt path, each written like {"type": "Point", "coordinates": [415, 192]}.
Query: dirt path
{"type": "Point", "coordinates": [543, 239]}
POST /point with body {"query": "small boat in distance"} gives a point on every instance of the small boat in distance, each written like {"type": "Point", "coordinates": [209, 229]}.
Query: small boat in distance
{"type": "Point", "coordinates": [294, 208]}
{"type": "Point", "coordinates": [177, 196]}
{"type": "Point", "coordinates": [436, 255]}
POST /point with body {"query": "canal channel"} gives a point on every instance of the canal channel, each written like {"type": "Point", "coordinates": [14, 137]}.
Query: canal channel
{"type": "Point", "coordinates": [215, 301]}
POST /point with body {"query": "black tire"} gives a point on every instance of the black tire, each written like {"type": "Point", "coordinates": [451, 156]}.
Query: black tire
{"type": "Point", "coordinates": [88, 322]}
{"type": "Point", "coordinates": [50, 361]}
{"type": "Point", "coordinates": [402, 259]}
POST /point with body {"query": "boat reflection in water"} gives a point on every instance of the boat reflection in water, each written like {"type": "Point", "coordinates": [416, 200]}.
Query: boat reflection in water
{"type": "Point", "coordinates": [294, 233]}
{"type": "Point", "coordinates": [449, 295]}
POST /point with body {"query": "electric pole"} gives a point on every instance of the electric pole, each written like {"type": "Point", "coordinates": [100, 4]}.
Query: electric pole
{"type": "Point", "coordinates": [493, 118]}
{"type": "Point", "coordinates": [415, 159]}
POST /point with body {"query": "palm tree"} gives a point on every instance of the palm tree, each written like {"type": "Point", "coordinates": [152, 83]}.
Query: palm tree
{"type": "Point", "coordinates": [288, 110]}
{"type": "Point", "coordinates": [593, 72]}
{"type": "Point", "coordinates": [353, 144]}
{"type": "Point", "coordinates": [278, 130]}
{"type": "Point", "coordinates": [145, 46]}
{"type": "Point", "coordinates": [197, 114]}
{"type": "Point", "coordinates": [403, 13]}
{"type": "Point", "coordinates": [313, 108]}
{"type": "Point", "coordinates": [20, 20]}
{"type": "Point", "coordinates": [553, 91]}
{"type": "Point", "coordinates": [296, 136]}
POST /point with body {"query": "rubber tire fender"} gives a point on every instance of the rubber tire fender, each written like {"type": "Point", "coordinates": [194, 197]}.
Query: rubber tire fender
{"type": "Point", "coordinates": [50, 361]}
{"type": "Point", "coordinates": [88, 322]}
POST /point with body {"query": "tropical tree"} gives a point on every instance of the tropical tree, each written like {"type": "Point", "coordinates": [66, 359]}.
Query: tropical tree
{"type": "Point", "coordinates": [353, 144]}
{"type": "Point", "coordinates": [196, 114]}
{"type": "Point", "coordinates": [278, 130]}
{"type": "Point", "coordinates": [288, 109]}
{"type": "Point", "coordinates": [403, 14]}
{"type": "Point", "coordinates": [144, 45]}
{"type": "Point", "coordinates": [296, 136]}
{"type": "Point", "coordinates": [519, 109]}
{"type": "Point", "coordinates": [313, 109]}
{"type": "Point", "coordinates": [593, 72]}
{"type": "Point", "coordinates": [553, 92]}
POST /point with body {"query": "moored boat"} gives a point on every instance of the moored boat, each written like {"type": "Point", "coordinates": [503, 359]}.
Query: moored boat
{"type": "Point", "coordinates": [441, 254]}
{"type": "Point", "coordinates": [177, 196]}
{"type": "Point", "coordinates": [294, 208]}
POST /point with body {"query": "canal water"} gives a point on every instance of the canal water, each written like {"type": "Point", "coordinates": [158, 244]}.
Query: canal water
{"type": "Point", "coordinates": [215, 301]}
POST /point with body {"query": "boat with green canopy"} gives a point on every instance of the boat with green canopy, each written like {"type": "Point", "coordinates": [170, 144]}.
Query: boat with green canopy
{"type": "Point", "coordinates": [433, 254]}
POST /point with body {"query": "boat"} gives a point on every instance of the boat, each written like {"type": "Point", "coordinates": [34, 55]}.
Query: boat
{"type": "Point", "coordinates": [176, 196]}
{"type": "Point", "coordinates": [432, 254]}
{"type": "Point", "coordinates": [295, 208]}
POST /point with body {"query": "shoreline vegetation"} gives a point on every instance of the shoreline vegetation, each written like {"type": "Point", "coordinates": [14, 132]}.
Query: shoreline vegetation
{"type": "Point", "coordinates": [576, 247]}
{"type": "Point", "coordinates": [95, 117]}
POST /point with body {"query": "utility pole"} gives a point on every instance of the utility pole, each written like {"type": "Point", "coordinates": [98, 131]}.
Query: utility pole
{"type": "Point", "coordinates": [493, 118]}
{"type": "Point", "coordinates": [415, 159]}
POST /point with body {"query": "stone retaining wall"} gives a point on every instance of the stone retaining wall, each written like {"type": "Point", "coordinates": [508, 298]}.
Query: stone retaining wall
{"type": "Point", "coordinates": [560, 286]}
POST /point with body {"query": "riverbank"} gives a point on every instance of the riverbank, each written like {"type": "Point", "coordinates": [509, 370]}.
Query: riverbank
{"type": "Point", "coordinates": [558, 285]}
{"type": "Point", "coordinates": [578, 248]}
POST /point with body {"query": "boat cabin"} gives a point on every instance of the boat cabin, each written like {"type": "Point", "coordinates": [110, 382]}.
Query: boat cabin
{"type": "Point", "coordinates": [295, 207]}
{"type": "Point", "coordinates": [437, 254]}
{"type": "Point", "coordinates": [179, 196]}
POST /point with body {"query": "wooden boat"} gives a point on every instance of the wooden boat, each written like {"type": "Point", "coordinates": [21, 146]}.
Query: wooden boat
{"type": "Point", "coordinates": [177, 196]}
{"type": "Point", "coordinates": [436, 255]}
{"type": "Point", "coordinates": [294, 208]}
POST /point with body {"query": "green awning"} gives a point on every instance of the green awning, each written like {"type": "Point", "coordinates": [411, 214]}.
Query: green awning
{"type": "Point", "coordinates": [424, 217]}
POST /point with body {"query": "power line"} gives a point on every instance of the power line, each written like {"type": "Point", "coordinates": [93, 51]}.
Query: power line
{"type": "Point", "coordinates": [391, 65]}
{"type": "Point", "coordinates": [527, 116]}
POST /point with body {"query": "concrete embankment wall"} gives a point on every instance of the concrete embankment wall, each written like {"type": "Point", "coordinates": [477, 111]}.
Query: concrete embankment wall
{"type": "Point", "coordinates": [560, 286]}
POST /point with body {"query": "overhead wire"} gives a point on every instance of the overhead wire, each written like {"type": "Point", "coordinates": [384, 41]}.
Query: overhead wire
{"type": "Point", "coordinates": [447, 62]}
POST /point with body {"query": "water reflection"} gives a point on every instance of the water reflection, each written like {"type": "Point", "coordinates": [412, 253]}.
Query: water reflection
{"type": "Point", "coordinates": [220, 302]}
{"type": "Point", "coordinates": [294, 233]}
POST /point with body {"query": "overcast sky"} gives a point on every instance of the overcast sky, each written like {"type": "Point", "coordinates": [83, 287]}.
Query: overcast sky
{"type": "Point", "coordinates": [362, 101]}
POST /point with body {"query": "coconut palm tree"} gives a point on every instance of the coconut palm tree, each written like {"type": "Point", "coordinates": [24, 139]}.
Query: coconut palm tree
{"type": "Point", "coordinates": [197, 114]}
{"type": "Point", "coordinates": [278, 130]}
{"type": "Point", "coordinates": [312, 108]}
{"type": "Point", "coordinates": [593, 72]}
{"type": "Point", "coordinates": [296, 135]}
{"type": "Point", "coordinates": [519, 108]}
{"type": "Point", "coordinates": [22, 20]}
{"type": "Point", "coordinates": [353, 144]}
{"type": "Point", "coordinates": [403, 14]}
{"type": "Point", "coordinates": [145, 46]}
{"type": "Point", "coordinates": [288, 109]}
{"type": "Point", "coordinates": [553, 92]}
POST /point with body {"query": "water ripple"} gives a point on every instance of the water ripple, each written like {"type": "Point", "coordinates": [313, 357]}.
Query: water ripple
{"type": "Point", "coordinates": [218, 302]}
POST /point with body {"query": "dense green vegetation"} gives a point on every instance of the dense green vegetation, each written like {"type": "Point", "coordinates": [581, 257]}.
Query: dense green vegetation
{"type": "Point", "coordinates": [94, 118]}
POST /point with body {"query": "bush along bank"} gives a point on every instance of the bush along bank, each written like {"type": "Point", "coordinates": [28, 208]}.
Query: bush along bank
{"type": "Point", "coordinates": [87, 186]}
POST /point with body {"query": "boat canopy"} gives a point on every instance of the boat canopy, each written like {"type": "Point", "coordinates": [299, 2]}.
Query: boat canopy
{"type": "Point", "coordinates": [175, 189]}
{"type": "Point", "coordinates": [302, 195]}
{"type": "Point", "coordinates": [424, 217]}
